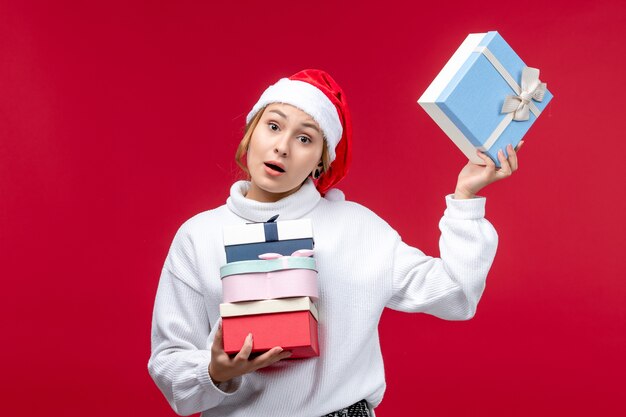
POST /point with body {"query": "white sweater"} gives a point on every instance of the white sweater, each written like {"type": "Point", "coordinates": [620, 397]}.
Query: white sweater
{"type": "Point", "coordinates": [363, 267]}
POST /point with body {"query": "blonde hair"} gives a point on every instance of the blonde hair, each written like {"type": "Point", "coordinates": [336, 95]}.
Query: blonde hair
{"type": "Point", "coordinates": [242, 149]}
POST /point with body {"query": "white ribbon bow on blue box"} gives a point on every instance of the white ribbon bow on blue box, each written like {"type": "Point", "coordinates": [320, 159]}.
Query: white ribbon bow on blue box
{"type": "Point", "coordinates": [476, 98]}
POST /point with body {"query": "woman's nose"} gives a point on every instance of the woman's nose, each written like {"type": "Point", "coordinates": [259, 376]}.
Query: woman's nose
{"type": "Point", "coordinates": [282, 145]}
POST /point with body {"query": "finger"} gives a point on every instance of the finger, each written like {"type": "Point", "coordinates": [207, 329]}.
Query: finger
{"type": "Point", "coordinates": [282, 355]}
{"type": "Point", "coordinates": [218, 342]}
{"type": "Point", "coordinates": [480, 155]}
{"type": "Point", "coordinates": [267, 356]}
{"type": "Point", "coordinates": [271, 356]}
{"type": "Point", "coordinates": [519, 145]}
{"type": "Point", "coordinates": [505, 168]}
{"type": "Point", "coordinates": [512, 158]}
{"type": "Point", "coordinates": [488, 161]}
{"type": "Point", "coordinates": [246, 349]}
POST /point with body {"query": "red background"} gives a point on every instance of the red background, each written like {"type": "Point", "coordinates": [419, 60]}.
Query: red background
{"type": "Point", "coordinates": [119, 120]}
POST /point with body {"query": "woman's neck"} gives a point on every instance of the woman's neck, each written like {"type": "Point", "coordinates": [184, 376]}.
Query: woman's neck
{"type": "Point", "coordinates": [292, 206]}
{"type": "Point", "coordinates": [256, 193]}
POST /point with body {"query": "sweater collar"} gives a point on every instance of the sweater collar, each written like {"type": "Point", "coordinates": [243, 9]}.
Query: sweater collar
{"type": "Point", "coordinates": [292, 207]}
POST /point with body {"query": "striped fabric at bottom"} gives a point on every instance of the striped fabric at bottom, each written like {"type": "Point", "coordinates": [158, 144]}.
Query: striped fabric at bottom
{"type": "Point", "coordinates": [358, 409]}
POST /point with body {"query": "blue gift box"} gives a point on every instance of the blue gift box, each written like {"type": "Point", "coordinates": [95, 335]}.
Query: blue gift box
{"type": "Point", "coordinates": [245, 242]}
{"type": "Point", "coordinates": [485, 97]}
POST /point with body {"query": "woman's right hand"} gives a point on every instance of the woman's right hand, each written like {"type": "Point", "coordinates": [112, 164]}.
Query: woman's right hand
{"type": "Point", "coordinates": [224, 368]}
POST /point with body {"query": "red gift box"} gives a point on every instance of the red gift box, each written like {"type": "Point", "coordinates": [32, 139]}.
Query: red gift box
{"type": "Point", "coordinates": [295, 331]}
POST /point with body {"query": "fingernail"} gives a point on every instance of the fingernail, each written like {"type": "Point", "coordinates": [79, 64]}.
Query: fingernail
{"type": "Point", "coordinates": [249, 336]}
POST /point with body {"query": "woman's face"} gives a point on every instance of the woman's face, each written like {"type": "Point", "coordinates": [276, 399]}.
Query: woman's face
{"type": "Point", "coordinates": [285, 147]}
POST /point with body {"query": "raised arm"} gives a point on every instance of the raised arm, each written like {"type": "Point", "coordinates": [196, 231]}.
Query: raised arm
{"type": "Point", "coordinates": [451, 286]}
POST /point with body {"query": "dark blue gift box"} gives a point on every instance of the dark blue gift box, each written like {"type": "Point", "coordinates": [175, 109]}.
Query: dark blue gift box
{"type": "Point", "coordinates": [247, 241]}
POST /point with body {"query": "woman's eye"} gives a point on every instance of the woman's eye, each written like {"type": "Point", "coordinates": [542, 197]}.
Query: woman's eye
{"type": "Point", "coordinates": [273, 126]}
{"type": "Point", "coordinates": [304, 139]}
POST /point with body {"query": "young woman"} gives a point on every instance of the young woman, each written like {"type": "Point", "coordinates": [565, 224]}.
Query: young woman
{"type": "Point", "coordinates": [297, 145]}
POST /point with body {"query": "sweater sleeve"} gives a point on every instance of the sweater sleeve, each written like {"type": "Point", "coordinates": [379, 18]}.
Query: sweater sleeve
{"type": "Point", "coordinates": [179, 362]}
{"type": "Point", "coordinates": [451, 286]}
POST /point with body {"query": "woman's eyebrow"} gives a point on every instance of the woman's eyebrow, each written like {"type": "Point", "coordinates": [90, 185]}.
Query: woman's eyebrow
{"type": "Point", "coordinates": [305, 124]}
{"type": "Point", "coordinates": [312, 126]}
{"type": "Point", "coordinates": [278, 112]}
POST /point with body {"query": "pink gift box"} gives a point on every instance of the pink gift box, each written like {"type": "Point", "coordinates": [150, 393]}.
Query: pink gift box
{"type": "Point", "coordinates": [268, 285]}
{"type": "Point", "coordinates": [280, 277]}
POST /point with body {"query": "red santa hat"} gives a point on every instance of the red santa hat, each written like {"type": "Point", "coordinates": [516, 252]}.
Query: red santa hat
{"type": "Point", "coordinates": [317, 94]}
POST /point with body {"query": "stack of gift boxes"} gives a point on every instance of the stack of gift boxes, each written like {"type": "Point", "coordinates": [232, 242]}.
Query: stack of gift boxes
{"type": "Point", "coordinates": [269, 285]}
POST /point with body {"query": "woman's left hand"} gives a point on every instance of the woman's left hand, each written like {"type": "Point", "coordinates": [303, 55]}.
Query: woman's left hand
{"type": "Point", "coordinates": [473, 177]}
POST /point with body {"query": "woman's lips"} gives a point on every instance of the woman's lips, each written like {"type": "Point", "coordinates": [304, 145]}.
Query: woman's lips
{"type": "Point", "coordinates": [274, 169]}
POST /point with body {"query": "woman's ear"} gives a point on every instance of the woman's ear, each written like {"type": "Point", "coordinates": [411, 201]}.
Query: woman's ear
{"type": "Point", "coordinates": [317, 172]}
